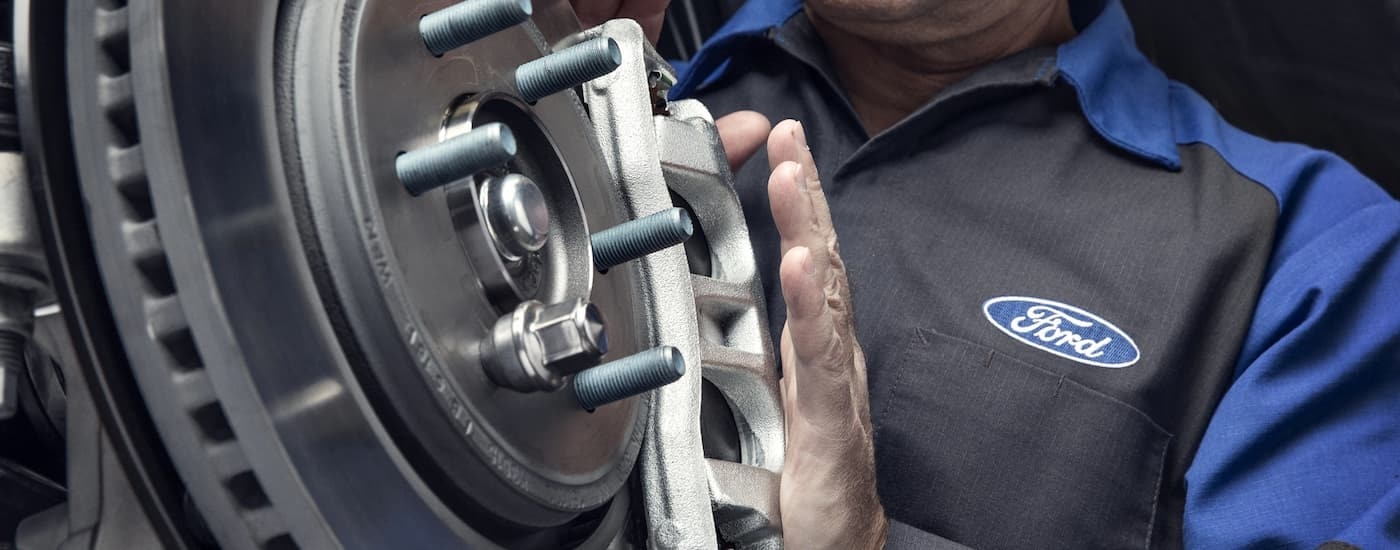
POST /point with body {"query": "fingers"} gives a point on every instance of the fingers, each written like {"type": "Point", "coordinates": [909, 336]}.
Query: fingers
{"type": "Point", "coordinates": [594, 12]}
{"type": "Point", "coordinates": [820, 355]}
{"type": "Point", "coordinates": [648, 13]}
{"type": "Point", "coordinates": [799, 205]}
{"type": "Point", "coordinates": [742, 133]}
{"type": "Point", "coordinates": [788, 143]}
{"type": "Point", "coordinates": [792, 212]}
{"type": "Point", "coordinates": [782, 143]}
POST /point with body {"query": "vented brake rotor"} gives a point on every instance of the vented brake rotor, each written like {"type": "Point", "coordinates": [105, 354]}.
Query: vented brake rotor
{"type": "Point", "coordinates": [319, 343]}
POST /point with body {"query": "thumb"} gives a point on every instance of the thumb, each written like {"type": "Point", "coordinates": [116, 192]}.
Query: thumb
{"type": "Point", "coordinates": [742, 133]}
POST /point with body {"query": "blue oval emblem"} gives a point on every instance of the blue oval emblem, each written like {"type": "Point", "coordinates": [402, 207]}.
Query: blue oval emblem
{"type": "Point", "coordinates": [1063, 330]}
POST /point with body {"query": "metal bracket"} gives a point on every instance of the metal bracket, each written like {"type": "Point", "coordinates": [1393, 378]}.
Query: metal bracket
{"type": "Point", "coordinates": [716, 320]}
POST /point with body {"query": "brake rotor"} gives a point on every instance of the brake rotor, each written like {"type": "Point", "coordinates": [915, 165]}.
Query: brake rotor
{"type": "Point", "coordinates": [420, 274]}
{"type": "Point", "coordinates": [306, 334]}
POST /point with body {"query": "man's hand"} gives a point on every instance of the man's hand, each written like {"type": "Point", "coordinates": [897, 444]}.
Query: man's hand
{"type": "Point", "coordinates": [649, 13]}
{"type": "Point", "coordinates": [828, 497]}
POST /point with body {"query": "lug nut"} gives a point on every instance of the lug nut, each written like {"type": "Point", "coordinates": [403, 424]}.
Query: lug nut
{"type": "Point", "coordinates": [536, 346]}
{"type": "Point", "coordinates": [567, 68]}
{"type": "Point", "coordinates": [517, 216]}
{"type": "Point", "coordinates": [423, 170]}
{"type": "Point", "coordinates": [466, 22]}
{"type": "Point", "coordinates": [634, 239]}
{"type": "Point", "coordinates": [629, 376]}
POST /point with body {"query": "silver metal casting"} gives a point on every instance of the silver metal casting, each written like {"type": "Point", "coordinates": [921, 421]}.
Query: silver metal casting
{"type": "Point", "coordinates": [717, 320]}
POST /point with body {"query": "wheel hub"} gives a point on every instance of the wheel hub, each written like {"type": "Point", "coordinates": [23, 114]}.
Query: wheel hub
{"type": "Point", "coordinates": [343, 337]}
{"type": "Point", "coordinates": [427, 275]}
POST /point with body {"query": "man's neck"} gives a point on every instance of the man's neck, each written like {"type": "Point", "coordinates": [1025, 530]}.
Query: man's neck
{"type": "Point", "coordinates": [888, 79]}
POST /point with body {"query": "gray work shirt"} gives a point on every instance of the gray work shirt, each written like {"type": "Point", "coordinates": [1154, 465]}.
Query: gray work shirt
{"type": "Point", "coordinates": [1096, 315]}
{"type": "Point", "coordinates": [999, 188]}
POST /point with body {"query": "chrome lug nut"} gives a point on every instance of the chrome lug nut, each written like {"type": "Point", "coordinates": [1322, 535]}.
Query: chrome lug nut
{"type": "Point", "coordinates": [628, 241]}
{"type": "Point", "coordinates": [466, 22]}
{"type": "Point", "coordinates": [536, 346]}
{"type": "Point", "coordinates": [517, 216]}
{"type": "Point", "coordinates": [629, 376]}
{"type": "Point", "coordinates": [567, 68]}
{"type": "Point", "coordinates": [572, 335]}
{"type": "Point", "coordinates": [483, 148]}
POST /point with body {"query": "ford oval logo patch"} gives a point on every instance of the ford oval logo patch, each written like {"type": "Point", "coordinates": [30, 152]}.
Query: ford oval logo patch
{"type": "Point", "coordinates": [1063, 330]}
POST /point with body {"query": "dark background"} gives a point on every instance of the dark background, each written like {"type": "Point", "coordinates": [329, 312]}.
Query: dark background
{"type": "Point", "coordinates": [1324, 73]}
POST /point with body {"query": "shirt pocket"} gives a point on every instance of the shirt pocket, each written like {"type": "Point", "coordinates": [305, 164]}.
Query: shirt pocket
{"type": "Point", "coordinates": [994, 452]}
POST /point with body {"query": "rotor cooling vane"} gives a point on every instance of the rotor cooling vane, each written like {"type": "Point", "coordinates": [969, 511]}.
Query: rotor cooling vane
{"type": "Point", "coordinates": [406, 274]}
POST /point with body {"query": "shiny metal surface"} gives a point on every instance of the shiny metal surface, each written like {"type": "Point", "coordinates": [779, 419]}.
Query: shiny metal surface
{"type": "Point", "coordinates": [536, 346]}
{"type": "Point", "coordinates": [274, 295]}
{"type": "Point", "coordinates": [517, 215]}
{"type": "Point", "coordinates": [21, 246]}
{"type": "Point", "coordinates": [572, 335]}
{"type": "Point", "coordinates": [648, 156]}
{"type": "Point", "coordinates": [309, 334]}
{"type": "Point", "coordinates": [737, 351]}
{"type": "Point", "coordinates": [409, 284]}
{"type": "Point", "coordinates": [557, 269]}
{"type": "Point", "coordinates": [674, 475]}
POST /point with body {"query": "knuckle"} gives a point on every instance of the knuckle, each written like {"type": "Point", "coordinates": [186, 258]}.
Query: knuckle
{"type": "Point", "coordinates": [832, 354]}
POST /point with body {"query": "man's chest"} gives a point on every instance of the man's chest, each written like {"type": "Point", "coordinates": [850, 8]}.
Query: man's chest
{"type": "Point", "coordinates": [1042, 316]}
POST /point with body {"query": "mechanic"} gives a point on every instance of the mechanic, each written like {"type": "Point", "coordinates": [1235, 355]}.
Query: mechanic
{"type": "Point", "coordinates": [1093, 313]}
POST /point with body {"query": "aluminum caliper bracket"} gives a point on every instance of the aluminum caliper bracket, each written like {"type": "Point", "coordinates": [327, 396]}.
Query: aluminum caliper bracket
{"type": "Point", "coordinates": [718, 320]}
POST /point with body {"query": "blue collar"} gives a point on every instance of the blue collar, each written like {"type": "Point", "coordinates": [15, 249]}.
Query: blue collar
{"type": "Point", "coordinates": [1123, 96]}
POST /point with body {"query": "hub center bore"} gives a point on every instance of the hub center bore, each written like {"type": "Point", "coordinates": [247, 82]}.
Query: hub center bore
{"type": "Point", "coordinates": [508, 269]}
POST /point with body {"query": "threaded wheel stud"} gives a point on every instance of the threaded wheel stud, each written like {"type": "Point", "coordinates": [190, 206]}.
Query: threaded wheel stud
{"type": "Point", "coordinates": [628, 241]}
{"type": "Point", "coordinates": [629, 376]}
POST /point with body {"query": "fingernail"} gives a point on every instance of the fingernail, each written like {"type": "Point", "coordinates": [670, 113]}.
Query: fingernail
{"type": "Point", "coordinates": [799, 135]}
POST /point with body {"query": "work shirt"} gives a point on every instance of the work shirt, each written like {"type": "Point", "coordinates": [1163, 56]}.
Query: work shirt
{"type": "Point", "coordinates": [1095, 314]}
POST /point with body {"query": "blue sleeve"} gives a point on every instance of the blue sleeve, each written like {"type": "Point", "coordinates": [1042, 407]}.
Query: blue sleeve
{"type": "Point", "coordinates": [1304, 447]}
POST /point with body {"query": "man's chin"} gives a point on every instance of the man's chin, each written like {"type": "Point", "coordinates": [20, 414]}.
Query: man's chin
{"type": "Point", "coordinates": [873, 11]}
